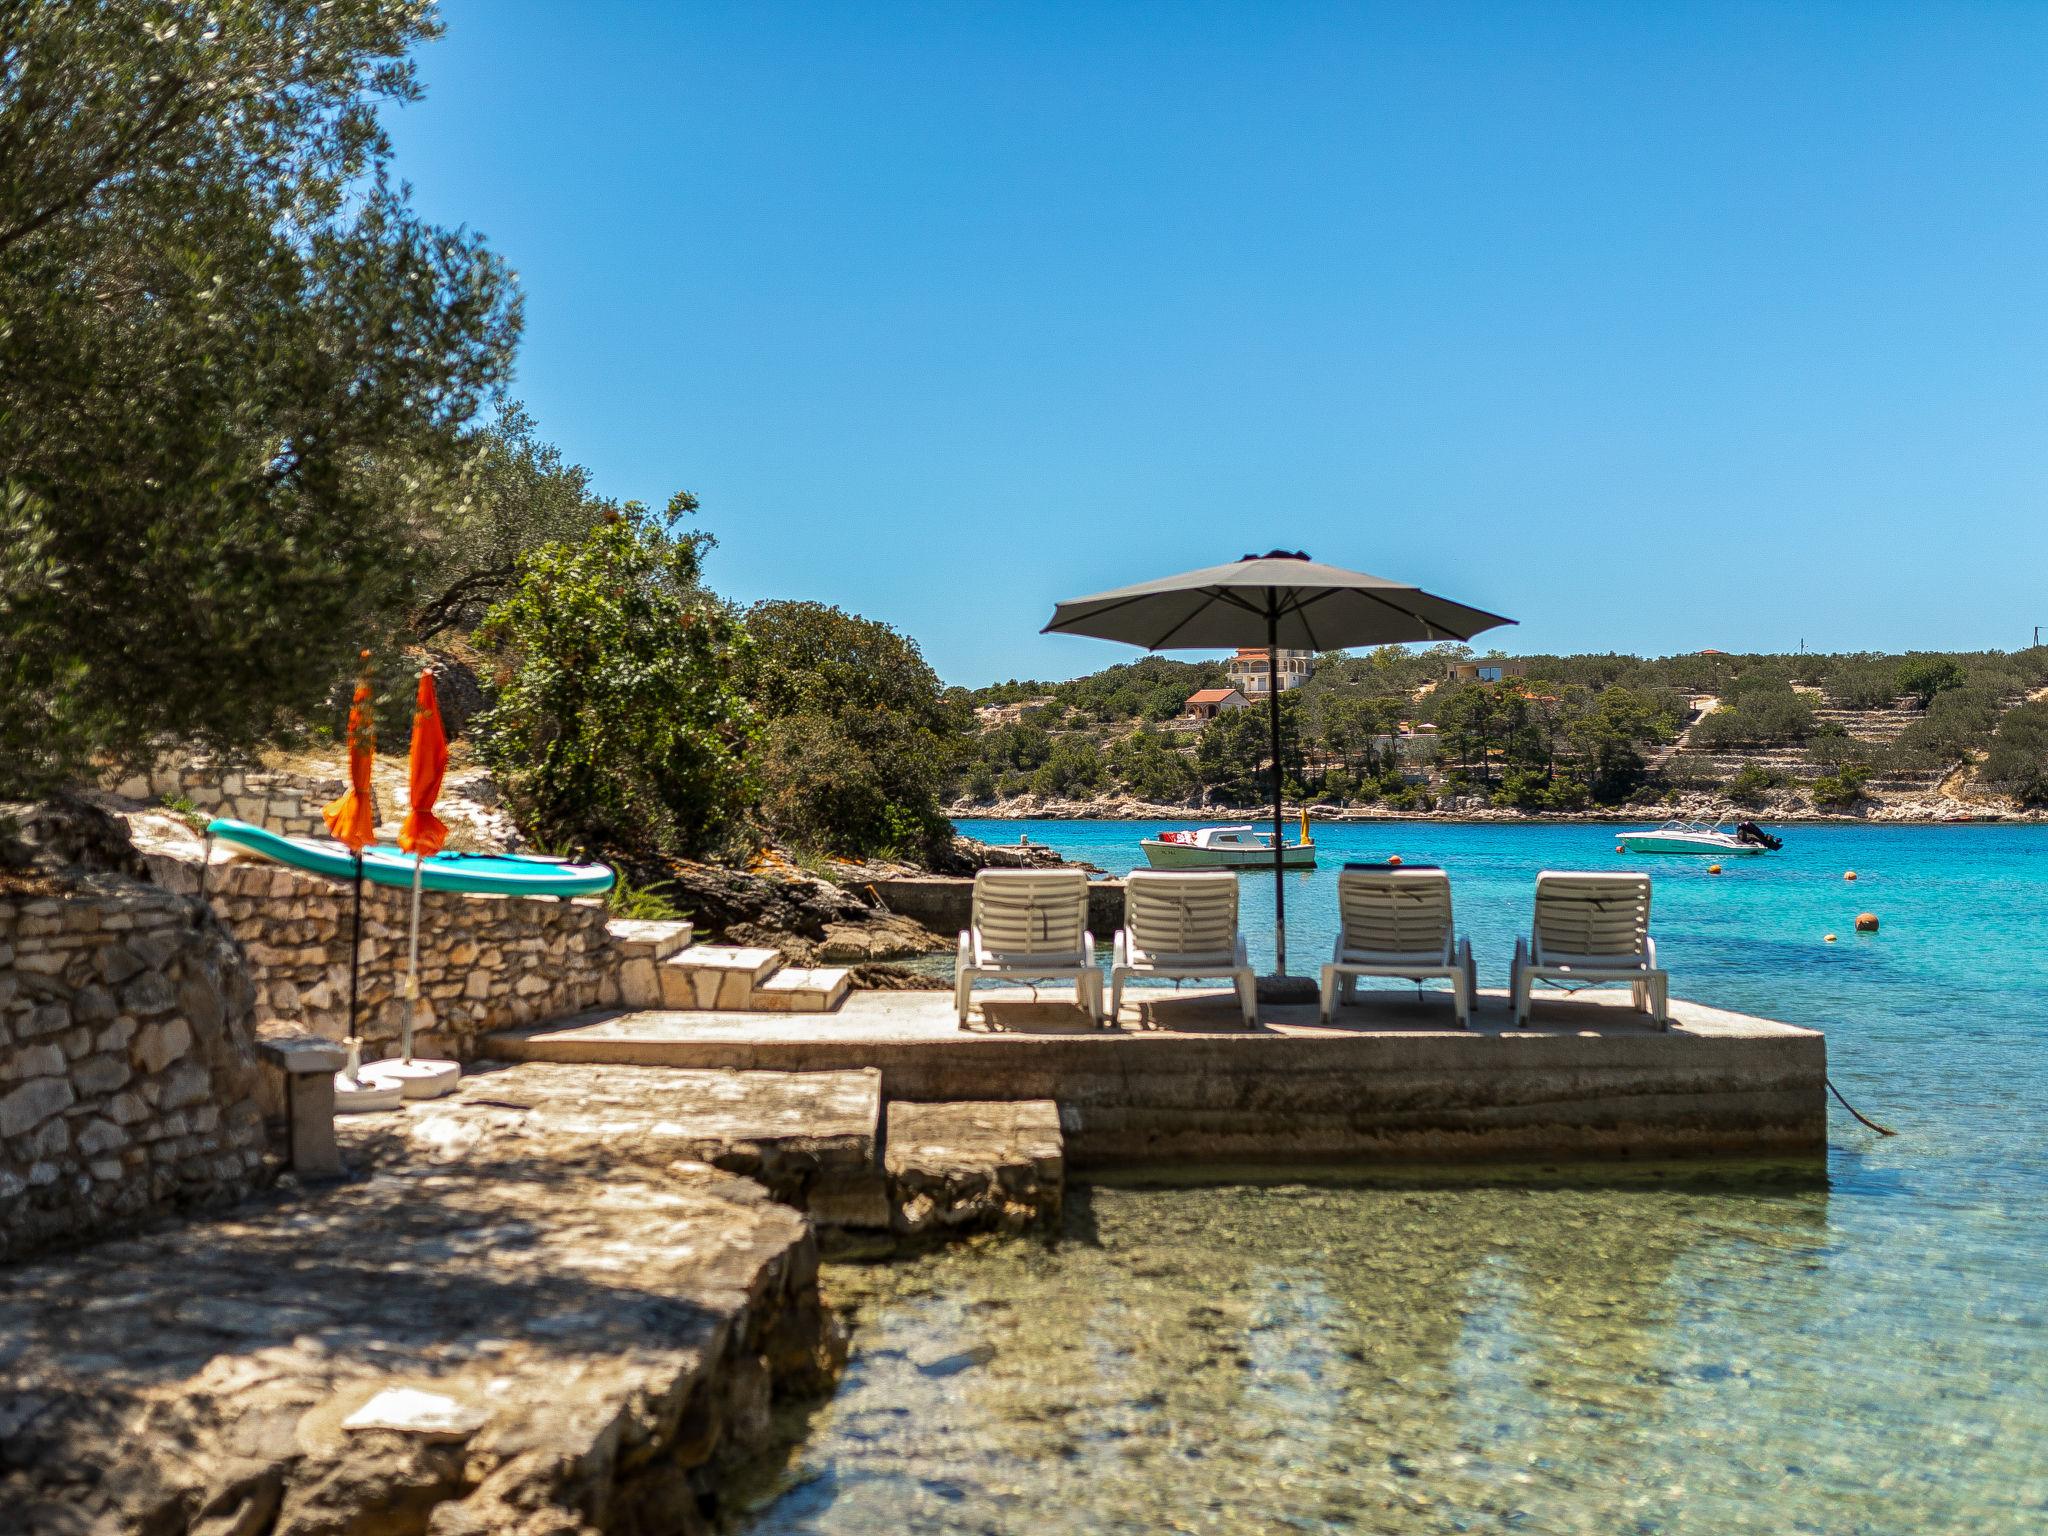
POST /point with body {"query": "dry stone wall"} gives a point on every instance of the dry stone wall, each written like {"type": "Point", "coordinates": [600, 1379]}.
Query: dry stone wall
{"type": "Point", "coordinates": [486, 962]}
{"type": "Point", "coordinates": [128, 1077]}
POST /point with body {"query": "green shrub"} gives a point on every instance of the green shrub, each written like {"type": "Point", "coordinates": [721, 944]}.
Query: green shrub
{"type": "Point", "coordinates": [619, 725]}
{"type": "Point", "coordinates": [1150, 768]}
{"type": "Point", "coordinates": [1760, 717]}
{"type": "Point", "coordinates": [1840, 790]}
{"type": "Point", "coordinates": [1750, 786]}
{"type": "Point", "coordinates": [1074, 768]}
{"type": "Point", "coordinates": [859, 735]}
{"type": "Point", "coordinates": [1922, 677]}
{"type": "Point", "coordinates": [2017, 762]}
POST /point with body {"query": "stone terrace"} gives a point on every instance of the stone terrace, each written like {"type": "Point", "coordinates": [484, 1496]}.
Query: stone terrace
{"type": "Point", "coordinates": [597, 1322]}
{"type": "Point", "coordinates": [1392, 1079]}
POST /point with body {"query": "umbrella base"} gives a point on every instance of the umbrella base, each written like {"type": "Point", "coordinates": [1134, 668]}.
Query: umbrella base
{"type": "Point", "coordinates": [365, 1094]}
{"type": "Point", "coordinates": [420, 1078]}
{"type": "Point", "coordinates": [1289, 989]}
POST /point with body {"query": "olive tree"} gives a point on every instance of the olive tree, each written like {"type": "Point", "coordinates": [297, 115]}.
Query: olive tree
{"type": "Point", "coordinates": [223, 331]}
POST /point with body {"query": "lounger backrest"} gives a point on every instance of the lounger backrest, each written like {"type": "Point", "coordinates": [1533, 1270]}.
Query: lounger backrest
{"type": "Point", "coordinates": [1168, 913]}
{"type": "Point", "coordinates": [1024, 912]}
{"type": "Point", "coordinates": [1394, 914]}
{"type": "Point", "coordinates": [1589, 917]}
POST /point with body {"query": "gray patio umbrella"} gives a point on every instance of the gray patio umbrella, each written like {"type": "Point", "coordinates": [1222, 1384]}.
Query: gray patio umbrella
{"type": "Point", "coordinates": [1274, 600]}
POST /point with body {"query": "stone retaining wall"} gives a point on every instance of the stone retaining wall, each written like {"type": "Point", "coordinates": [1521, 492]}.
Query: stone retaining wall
{"type": "Point", "coordinates": [485, 961]}
{"type": "Point", "coordinates": [128, 1080]}
{"type": "Point", "coordinates": [282, 802]}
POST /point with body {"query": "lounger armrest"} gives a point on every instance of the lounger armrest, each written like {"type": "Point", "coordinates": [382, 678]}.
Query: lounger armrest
{"type": "Point", "coordinates": [1649, 952]}
{"type": "Point", "coordinates": [1087, 947]}
{"type": "Point", "coordinates": [1244, 954]}
{"type": "Point", "coordinates": [1120, 952]}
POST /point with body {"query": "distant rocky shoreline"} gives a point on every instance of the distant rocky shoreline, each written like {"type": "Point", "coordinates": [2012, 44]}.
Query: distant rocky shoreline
{"type": "Point", "coordinates": [1931, 811]}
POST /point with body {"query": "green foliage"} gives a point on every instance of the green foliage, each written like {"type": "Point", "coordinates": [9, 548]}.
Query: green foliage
{"type": "Point", "coordinates": [512, 492]}
{"type": "Point", "coordinates": [619, 725]}
{"type": "Point", "coordinates": [1764, 713]}
{"type": "Point", "coordinates": [1150, 767]}
{"type": "Point", "coordinates": [1923, 677]}
{"type": "Point", "coordinates": [1530, 789]}
{"type": "Point", "coordinates": [1075, 767]}
{"type": "Point", "coordinates": [2017, 762]}
{"type": "Point", "coordinates": [1840, 790]}
{"type": "Point", "coordinates": [223, 335]}
{"type": "Point", "coordinates": [1233, 753]}
{"type": "Point", "coordinates": [1959, 722]}
{"type": "Point", "coordinates": [647, 902]}
{"type": "Point", "coordinates": [859, 734]}
{"type": "Point", "coordinates": [1751, 785]}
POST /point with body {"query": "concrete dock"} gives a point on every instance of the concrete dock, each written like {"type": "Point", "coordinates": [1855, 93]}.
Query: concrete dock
{"type": "Point", "coordinates": [1391, 1079]}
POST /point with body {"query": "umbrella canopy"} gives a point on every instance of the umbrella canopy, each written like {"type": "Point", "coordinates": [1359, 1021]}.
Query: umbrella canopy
{"type": "Point", "coordinates": [1275, 600]}
{"type": "Point", "coordinates": [422, 833]}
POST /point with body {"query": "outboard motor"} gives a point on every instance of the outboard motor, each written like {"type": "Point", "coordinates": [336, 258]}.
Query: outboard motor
{"type": "Point", "coordinates": [1750, 832]}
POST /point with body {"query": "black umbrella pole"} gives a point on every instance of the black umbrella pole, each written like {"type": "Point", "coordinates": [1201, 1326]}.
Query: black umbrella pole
{"type": "Point", "coordinates": [1273, 720]}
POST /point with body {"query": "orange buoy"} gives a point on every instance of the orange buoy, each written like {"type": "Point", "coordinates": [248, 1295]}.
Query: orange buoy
{"type": "Point", "coordinates": [1393, 858]}
{"type": "Point", "coordinates": [1849, 875]}
{"type": "Point", "coordinates": [1828, 938]}
{"type": "Point", "coordinates": [1619, 849]}
{"type": "Point", "coordinates": [1713, 869]}
{"type": "Point", "coordinates": [1866, 922]}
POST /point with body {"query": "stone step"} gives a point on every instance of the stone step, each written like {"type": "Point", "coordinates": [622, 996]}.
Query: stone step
{"type": "Point", "coordinates": [642, 946]}
{"type": "Point", "coordinates": [716, 976]}
{"type": "Point", "coordinates": [803, 989]}
{"type": "Point", "coordinates": [641, 939]}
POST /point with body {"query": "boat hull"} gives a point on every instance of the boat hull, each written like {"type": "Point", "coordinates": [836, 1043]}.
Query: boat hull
{"type": "Point", "coordinates": [1188, 856]}
{"type": "Point", "coordinates": [480, 874]}
{"type": "Point", "coordinates": [1652, 842]}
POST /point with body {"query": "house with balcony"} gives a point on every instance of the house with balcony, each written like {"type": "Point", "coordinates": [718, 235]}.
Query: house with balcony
{"type": "Point", "coordinates": [1247, 670]}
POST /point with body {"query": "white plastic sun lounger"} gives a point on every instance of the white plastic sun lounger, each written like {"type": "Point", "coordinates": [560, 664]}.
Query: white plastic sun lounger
{"type": "Point", "coordinates": [1029, 925]}
{"type": "Point", "coordinates": [1397, 922]}
{"type": "Point", "coordinates": [1179, 926]}
{"type": "Point", "coordinates": [1591, 928]}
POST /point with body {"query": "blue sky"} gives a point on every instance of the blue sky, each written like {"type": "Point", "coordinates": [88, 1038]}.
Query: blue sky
{"type": "Point", "coordinates": [1657, 326]}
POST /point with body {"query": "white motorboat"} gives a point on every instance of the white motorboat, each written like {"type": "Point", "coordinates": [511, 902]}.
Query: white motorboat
{"type": "Point", "coordinates": [1240, 847]}
{"type": "Point", "coordinates": [1740, 840]}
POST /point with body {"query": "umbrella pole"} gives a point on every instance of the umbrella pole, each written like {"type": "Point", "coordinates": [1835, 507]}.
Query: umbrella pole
{"type": "Point", "coordinates": [355, 953]}
{"type": "Point", "coordinates": [1273, 721]}
{"type": "Point", "coordinates": [412, 964]}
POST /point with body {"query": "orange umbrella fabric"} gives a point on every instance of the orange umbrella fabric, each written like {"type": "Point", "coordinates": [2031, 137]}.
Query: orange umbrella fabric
{"type": "Point", "coordinates": [422, 832]}
{"type": "Point", "coordinates": [353, 818]}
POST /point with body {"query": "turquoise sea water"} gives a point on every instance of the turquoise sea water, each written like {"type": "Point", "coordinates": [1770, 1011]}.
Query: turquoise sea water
{"type": "Point", "coordinates": [1662, 1351]}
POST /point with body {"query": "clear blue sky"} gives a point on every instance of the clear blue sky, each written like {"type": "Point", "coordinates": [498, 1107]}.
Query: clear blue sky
{"type": "Point", "coordinates": [1656, 325]}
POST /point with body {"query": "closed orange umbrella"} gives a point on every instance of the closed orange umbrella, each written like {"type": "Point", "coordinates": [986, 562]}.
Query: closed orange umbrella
{"type": "Point", "coordinates": [353, 818]}
{"type": "Point", "coordinates": [422, 835]}
{"type": "Point", "coordinates": [423, 832]}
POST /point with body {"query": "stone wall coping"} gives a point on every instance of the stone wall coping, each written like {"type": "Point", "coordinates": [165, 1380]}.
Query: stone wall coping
{"type": "Point", "coordinates": [296, 1053]}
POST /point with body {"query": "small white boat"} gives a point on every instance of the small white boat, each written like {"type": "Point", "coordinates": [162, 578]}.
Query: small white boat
{"type": "Point", "coordinates": [1226, 848]}
{"type": "Point", "coordinates": [1744, 838]}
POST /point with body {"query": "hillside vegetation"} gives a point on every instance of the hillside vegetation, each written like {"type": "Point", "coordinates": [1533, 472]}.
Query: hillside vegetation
{"type": "Point", "coordinates": [1403, 729]}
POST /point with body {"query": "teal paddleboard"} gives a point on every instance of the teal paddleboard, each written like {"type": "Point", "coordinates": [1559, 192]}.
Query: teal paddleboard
{"type": "Point", "coordinates": [495, 874]}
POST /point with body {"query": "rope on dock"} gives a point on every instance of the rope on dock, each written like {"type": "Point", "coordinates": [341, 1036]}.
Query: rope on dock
{"type": "Point", "coordinates": [1881, 1130]}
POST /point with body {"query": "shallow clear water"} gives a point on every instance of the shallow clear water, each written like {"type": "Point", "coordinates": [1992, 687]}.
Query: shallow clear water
{"type": "Point", "coordinates": [1684, 1351]}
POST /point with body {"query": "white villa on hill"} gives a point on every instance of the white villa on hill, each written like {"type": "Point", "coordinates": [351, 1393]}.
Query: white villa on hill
{"type": "Point", "coordinates": [1248, 670]}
